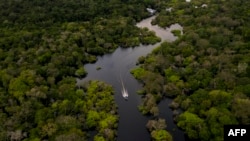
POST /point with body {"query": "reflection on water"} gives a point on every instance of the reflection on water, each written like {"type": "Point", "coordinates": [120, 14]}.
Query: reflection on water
{"type": "Point", "coordinates": [120, 62]}
{"type": "Point", "coordinates": [164, 34]}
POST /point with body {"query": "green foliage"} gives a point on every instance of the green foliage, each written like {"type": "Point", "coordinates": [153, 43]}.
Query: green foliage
{"type": "Point", "coordinates": [80, 72]}
{"type": "Point", "coordinates": [99, 138]}
{"type": "Point", "coordinates": [176, 33]}
{"type": "Point", "coordinates": [138, 73]}
{"type": "Point", "coordinates": [67, 116]}
{"type": "Point", "coordinates": [48, 129]}
{"type": "Point", "coordinates": [149, 105]}
{"type": "Point", "coordinates": [141, 59]}
{"type": "Point", "coordinates": [174, 78]}
{"type": "Point", "coordinates": [191, 123]}
{"type": "Point", "coordinates": [148, 37]}
{"type": "Point", "coordinates": [244, 89]}
{"type": "Point", "coordinates": [108, 122]}
{"type": "Point", "coordinates": [240, 110]}
{"type": "Point", "coordinates": [206, 68]}
{"type": "Point", "coordinates": [92, 119]}
{"type": "Point", "coordinates": [20, 85]}
{"type": "Point", "coordinates": [72, 135]}
{"type": "Point", "coordinates": [161, 135]}
{"type": "Point", "coordinates": [220, 98]}
{"type": "Point", "coordinates": [44, 43]}
{"type": "Point", "coordinates": [159, 124]}
{"type": "Point", "coordinates": [157, 129]}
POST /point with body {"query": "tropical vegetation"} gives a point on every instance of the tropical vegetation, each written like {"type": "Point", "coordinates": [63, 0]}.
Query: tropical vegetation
{"type": "Point", "coordinates": [206, 70]}
{"type": "Point", "coordinates": [43, 47]}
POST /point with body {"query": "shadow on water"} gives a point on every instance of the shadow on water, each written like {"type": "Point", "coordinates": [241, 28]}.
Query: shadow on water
{"type": "Point", "coordinates": [132, 123]}
{"type": "Point", "coordinates": [167, 113]}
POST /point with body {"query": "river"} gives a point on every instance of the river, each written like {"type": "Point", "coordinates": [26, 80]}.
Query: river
{"type": "Point", "coordinates": [132, 123]}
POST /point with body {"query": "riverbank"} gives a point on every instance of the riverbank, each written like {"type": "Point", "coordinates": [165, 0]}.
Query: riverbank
{"type": "Point", "coordinates": [131, 122]}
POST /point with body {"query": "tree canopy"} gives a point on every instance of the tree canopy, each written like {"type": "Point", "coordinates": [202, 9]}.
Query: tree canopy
{"type": "Point", "coordinates": [205, 70]}
{"type": "Point", "coordinates": [43, 47]}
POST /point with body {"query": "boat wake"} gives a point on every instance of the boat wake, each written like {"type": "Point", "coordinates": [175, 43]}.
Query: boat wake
{"type": "Point", "coordinates": [124, 91]}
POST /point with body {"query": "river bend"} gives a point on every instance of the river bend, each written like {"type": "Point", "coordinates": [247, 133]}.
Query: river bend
{"type": "Point", "coordinates": [132, 123]}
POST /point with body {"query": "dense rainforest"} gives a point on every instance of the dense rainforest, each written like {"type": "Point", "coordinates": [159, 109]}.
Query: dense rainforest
{"type": "Point", "coordinates": [45, 43]}
{"type": "Point", "coordinates": [206, 70]}
{"type": "Point", "coordinates": [43, 47]}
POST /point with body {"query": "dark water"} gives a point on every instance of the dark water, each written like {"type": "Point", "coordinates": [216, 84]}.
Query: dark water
{"type": "Point", "coordinates": [166, 113]}
{"type": "Point", "coordinates": [119, 63]}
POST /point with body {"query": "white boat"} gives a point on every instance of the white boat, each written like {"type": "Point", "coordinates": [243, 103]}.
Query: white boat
{"type": "Point", "coordinates": [151, 11]}
{"type": "Point", "coordinates": [124, 91]}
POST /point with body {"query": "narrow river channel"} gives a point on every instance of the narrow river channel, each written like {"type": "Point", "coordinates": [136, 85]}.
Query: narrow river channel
{"type": "Point", "coordinates": [131, 122]}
